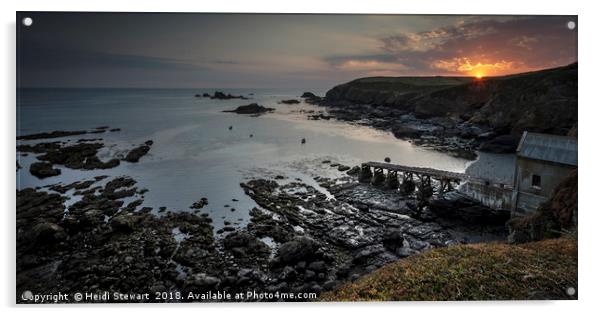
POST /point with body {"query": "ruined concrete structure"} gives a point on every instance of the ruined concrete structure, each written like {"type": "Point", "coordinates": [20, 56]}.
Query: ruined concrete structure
{"type": "Point", "coordinates": [542, 162]}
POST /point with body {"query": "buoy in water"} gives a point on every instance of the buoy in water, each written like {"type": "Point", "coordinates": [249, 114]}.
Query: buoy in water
{"type": "Point", "coordinates": [230, 128]}
{"type": "Point", "coordinates": [250, 135]}
{"type": "Point", "coordinates": [303, 141]}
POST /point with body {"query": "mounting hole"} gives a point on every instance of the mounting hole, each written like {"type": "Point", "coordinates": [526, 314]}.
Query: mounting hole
{"type": "Point", "coordinates": [571, 25]}
{"type": "Point", "coordinates": [571, 291]}
{"type": "Point", "coordinates": [27, 21]}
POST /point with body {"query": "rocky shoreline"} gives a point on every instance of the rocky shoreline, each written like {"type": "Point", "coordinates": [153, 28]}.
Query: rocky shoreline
{"type": "Point", "coordinates": [301, 239]}
{"type": "Point", "coordinates": [79, 155]}
{"type": "Point", "coordinates": [458, 115]}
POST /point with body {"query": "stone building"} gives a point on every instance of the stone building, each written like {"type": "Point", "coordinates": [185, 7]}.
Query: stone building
{"type": "Point", "coordinates": [542, 162]}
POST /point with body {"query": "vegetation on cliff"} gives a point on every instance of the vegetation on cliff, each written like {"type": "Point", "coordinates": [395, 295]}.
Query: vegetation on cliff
{"type": "Point", "coordinates": [489, 271]}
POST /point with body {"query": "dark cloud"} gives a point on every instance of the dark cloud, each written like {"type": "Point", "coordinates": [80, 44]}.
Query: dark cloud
{"type": "Point", "coordinates": [495, 47]}
{"type": "Point", "coordinates": [263, 50]}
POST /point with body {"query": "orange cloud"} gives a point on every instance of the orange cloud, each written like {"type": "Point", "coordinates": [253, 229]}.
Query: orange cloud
{"type": "Point", "coordinates": [467, 66]}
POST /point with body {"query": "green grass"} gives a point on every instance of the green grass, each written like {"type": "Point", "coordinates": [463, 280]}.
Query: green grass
{"type": "Point", "coordinates": [489, 271]}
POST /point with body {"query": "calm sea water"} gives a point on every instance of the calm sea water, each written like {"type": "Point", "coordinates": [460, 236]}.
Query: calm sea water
{"type": "Point", "coordinates": [195, 155]}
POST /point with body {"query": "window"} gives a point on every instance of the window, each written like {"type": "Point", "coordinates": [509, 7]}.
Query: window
{"type": "Point", "coordinates": [536, 181]}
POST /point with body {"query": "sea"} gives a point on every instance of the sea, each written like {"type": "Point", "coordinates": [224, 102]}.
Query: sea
{"type": "Point", "coordinates": [196, 155]}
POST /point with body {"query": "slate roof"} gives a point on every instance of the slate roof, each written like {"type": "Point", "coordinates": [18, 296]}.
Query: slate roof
{"type": "Point", "coordinates": [553, 148]}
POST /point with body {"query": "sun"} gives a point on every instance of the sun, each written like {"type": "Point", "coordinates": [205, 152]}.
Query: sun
{"type": "Point", "coordinates": [479, 75]}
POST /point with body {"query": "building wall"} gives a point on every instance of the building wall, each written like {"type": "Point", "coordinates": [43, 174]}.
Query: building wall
{"type": "Point", "coordinates": [526, 197]}
{"type": "Point", "coordinates": [492, 196]}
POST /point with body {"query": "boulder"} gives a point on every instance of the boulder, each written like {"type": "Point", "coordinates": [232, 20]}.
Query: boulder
{"type": "Point", "coordinates": [135, 154]}
{"type": "Point", "coordinates": [291, 101]}
{"type": "Point", "coordinates": [47, 233]}
{"type": "Point", "coordinates": [298, 249]}
{"type": "Point", "coordinates": [354, 171]}
{"type": "Point", "coordinates": [405, 132]}
{"type": "Point", "coordinates": [123, 223]}
{"type": "Point", "coordinates": [43, 170]}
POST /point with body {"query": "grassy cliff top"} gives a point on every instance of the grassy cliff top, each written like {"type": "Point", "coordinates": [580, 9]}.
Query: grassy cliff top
{"type": "Point", "coordinates": [488, 271]}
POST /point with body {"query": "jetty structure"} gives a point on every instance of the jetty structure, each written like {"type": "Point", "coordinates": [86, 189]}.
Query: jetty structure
{"type": "Point", "coordinates": [542, 162]}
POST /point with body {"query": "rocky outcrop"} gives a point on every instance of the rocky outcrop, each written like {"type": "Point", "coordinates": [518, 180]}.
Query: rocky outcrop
{"type": "Point", "coordinates": [79, 156]}
{"type": "Point", "coordinates": [311, 98]}
{"type": "Point", "coordinates": [291, 101]}
{"type": "Point", "coordinates": [54, 134]}
{"type": "Point", "coordinates": [461, 113]}
{"type": "Point", "coordinates": [222, 96]}
{"type": "Point", "coordinates": [135, 154]}
{"type": "Point", "coordinates": [252, 108]}
{"type": "Point", "coordinates": [43, 170]}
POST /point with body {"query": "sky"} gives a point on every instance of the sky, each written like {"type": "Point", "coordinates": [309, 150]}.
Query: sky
{"type": "Point", "coordinates": [171, 50]}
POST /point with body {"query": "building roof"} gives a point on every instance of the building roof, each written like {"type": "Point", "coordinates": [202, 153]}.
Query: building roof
{"type": "Point", "coordinates": [553, 148]}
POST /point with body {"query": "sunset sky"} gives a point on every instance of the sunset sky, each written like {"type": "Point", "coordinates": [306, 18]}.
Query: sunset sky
{"type": "Point", "coordinates": [280, 51]}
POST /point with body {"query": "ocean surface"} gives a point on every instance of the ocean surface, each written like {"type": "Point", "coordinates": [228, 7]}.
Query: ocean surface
{"type": "Point", "coordinates": [195, 155]}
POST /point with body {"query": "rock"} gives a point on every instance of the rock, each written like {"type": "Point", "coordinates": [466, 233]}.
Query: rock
{"type": "Point", "coordinates": [291, 101]}
{"type": "Point", "coordinates": [317, 266]}
{"type": "Point", "coordinates": [54, 134]}
{"type": "Point", "coordinates": [246, 243]}
{"type": "Point", "coordinates": [505, 144]}
{"type": "Point", "coordinates": [200, 203]}
{"type": "Point", "coordinates": [309, 275]}
{"type": "Point", "coordinates": [392, 238]}
{"type": "Point", "coordinates": [252, 108]}
{"type": "Point", "coordinates": [330, 285]}
{"type": "Point", "coordinates": [288, 274]}
{"type": "Point", "coordinates": [203, 281]}
{"type": "Point", "coordinates": [222, 96]}
{"type": "Point", "coordinates": [135, 154]}
{"type": "Point", "coordinates": [298, 249]}
{"type": "Point", "coordinates": [405, 252]}
{"type": "Point", "coordinates": [354, 171]}
{"type": "Point", "coordinates": [301, 265]}
{"type": "Point", "coordinates": [43, 170]}
{"type": "Point", "coordinates": [91, 218]}
{"type": "Point", "coordinates": [367, 253]}
{"type": "Point", "coordinates": [387, 159]}
{"type": "Point", "coordinates": [405, 132]}
{"type": "Point", "coordinates": [343, 168]}
{"type": "Point", "coordinates": [308, 95]}
{"type": "Point", "coordinates": [311, 98]}
{"type": "Point", "coordinates": [48, 233]}
{"type": "Point", "coordinates": [79, 156]}
{"type": "Point", "coordinates": [123, 223]}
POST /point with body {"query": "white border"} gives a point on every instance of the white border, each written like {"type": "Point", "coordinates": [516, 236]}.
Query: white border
{"type": "Point", "coordinates": [590, 153]}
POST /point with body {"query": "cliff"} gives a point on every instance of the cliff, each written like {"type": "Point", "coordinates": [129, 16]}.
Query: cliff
{"type": "Point", "coordinates": [541, 101]}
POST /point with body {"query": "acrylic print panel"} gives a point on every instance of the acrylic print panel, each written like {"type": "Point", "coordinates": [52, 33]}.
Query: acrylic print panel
{"type": "Point", "coordinates": [167, 157]}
